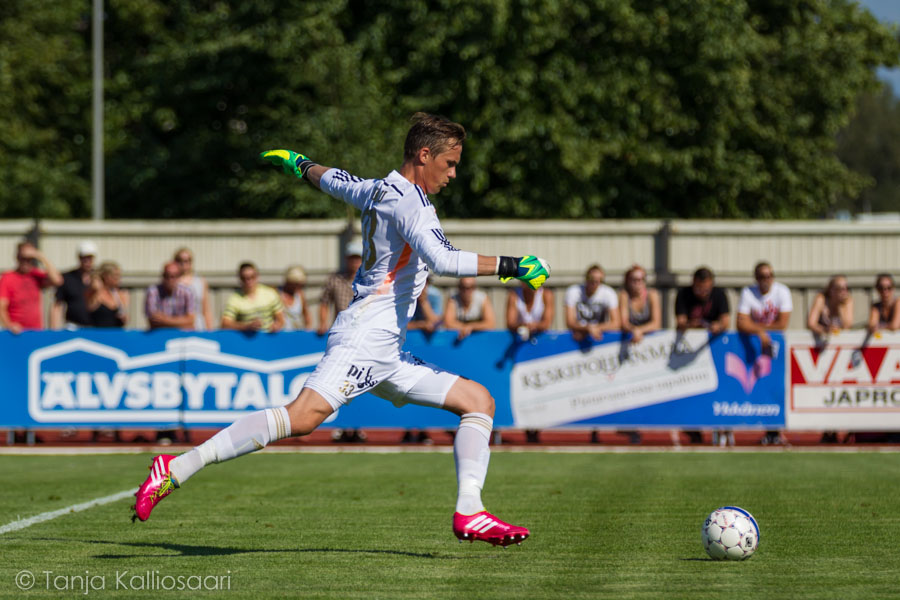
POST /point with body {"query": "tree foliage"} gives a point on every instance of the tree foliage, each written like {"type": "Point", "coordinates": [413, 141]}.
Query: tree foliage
{"type": "Point", "coordinates": [870, 145]}
{"type": "Point", "coordinates": [575, 109]}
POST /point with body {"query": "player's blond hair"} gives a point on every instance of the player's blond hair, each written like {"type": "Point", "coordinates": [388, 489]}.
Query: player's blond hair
{"type": "Point", "coordinates": [434, 132]}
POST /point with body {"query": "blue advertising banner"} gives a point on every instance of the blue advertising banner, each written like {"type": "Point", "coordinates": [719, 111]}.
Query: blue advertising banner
{"type": "Point", "coordinates": [668, 379]}
{"type": "Point", "coordinates": [163, 378]}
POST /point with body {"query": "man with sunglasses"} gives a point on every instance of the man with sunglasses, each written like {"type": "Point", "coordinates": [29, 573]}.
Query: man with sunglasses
{"type": "Point", "coordinates": [765, 307]}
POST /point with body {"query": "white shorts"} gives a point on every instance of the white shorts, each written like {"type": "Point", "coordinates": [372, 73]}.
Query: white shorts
{"type": "Point", "coordinates": [360, 361]}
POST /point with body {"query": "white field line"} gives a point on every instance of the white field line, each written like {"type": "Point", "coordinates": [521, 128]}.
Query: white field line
{"type": "Point", "coordinates": [443, 449]}
{"type": "Point", "coordinates": [47, 516]}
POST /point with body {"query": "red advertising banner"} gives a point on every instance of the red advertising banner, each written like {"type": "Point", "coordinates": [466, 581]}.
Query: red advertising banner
{"type": "Point", "coordinates": [847, 381]}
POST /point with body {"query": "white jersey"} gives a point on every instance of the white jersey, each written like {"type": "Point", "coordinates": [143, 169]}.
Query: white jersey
{"type": "Point", "coordinates": [402, 240]}
{"type": "Point", "coordinates": [595, 308]}
{"type": "Point", "coordinates": [765, 308]}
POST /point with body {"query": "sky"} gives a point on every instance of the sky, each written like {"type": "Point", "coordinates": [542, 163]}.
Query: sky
{"type": "Point", "coordinates": [889, 12]}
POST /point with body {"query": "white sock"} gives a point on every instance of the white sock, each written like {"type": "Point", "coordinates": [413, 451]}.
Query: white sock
{"type": "Point", "coordinates": [472, 454]}
{"type": "Point", "coordinates": [247, 434]}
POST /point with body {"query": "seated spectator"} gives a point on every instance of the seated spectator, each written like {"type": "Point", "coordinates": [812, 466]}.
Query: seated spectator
{"type": "Point", "coordinates": [293, 298]}
{"type": "Point", "coordinates": [338, 290]}
{"type": "Point", "coordinates": [640, 309]}
{"type": "Point", "coordinates": [106, 304]}
{"type": "Point", "coordinates": [762, 308]}
{"type": "Point", "coordinates": [69, 309]}
{"type": "Point", "coordinates": [469, 309]}
{"type": "Point", "coordinates": [528, 311]}
{"type": "Point", "coordinates": [702, 305]}
{"type": "Point", "coordinates": [20, 289]}
{"type": "Point", "coordinates": [765, 306]}
{"type": "Point", "coordinates": [884, 313]}
{"type": "Point", "coordinates": [429, 309]}
{"type": "Point", "coordinates": [170, 303]}
{"type": "Point", "coordinates": [832, 308]}
{"type": "Point", "coordinates": [831, 312]}
{"type": "Point", "coordinates": [592, 307]}
{"type": "Point", "coordinates": [203, 320]}
{"type": "Point", "coordinates": [256, 307]}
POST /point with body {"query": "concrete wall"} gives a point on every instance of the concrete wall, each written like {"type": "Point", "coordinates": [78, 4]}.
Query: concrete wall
{"type": "Point", "coordinates": [804, 253]}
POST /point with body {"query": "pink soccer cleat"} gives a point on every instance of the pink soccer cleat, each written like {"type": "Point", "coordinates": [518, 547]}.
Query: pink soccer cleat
{"type": "Point", "coordinates": [157, 486]}
{"type": "Point", "coordinates": [486, 527]}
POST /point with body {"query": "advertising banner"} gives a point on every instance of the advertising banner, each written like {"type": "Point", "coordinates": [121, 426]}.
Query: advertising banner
{"type": "Point", "coordinates": [169, 378]}
{"type": "Point", "coordinates": [847, 381]}
{"type": "Point", "coordinates": [136, 379]}
{"type": "Point", "coordinates": [668, 379]}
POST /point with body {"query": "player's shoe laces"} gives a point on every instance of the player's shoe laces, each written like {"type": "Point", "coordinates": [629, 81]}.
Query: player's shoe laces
{"type": "Point", "coordinates": [486, 527]}
{"type": "Point", "coordinates": [157, 486]}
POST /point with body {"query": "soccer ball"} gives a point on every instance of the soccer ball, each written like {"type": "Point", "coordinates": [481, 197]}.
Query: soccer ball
{"type": "Point", "coordinates": [730, 533]}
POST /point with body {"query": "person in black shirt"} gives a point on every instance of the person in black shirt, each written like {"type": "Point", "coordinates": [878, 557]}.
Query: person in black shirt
{"type": "Point", "coordinates": [702, 305]}
{"type": "Point", "coordinates": [70, 295]}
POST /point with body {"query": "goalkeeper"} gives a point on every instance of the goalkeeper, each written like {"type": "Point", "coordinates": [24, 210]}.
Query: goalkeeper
{"type": "Point", "coordinates": [402, 241]}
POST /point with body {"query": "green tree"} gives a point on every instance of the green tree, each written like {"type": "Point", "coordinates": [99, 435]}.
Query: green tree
{"type": "Point", "coordinates": [45, 95]}
{"type": "Point", "coordinates": [575, 108]}
{"type": "Point", "coordinates": [870, 145]}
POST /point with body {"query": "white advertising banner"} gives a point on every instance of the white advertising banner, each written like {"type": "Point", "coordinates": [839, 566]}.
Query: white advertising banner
{"type": "Point", "coordinates": [610, 378]}
{"type": "Point", "coordinates": [847, 381]}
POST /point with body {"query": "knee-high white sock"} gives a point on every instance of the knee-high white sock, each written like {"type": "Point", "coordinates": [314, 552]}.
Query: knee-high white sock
{"type": "Point", "coordinates": [472, 454]}
{"type": "Point", "coordinates": [247, 434]}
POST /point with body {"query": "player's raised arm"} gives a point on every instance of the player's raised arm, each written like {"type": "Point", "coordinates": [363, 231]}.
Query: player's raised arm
{"type": "Point", "coordinates": [338, 183]}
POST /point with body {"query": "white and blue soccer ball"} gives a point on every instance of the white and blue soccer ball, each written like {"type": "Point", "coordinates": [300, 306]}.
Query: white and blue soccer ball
{"type": "Point", "coordinates": [730, 533]}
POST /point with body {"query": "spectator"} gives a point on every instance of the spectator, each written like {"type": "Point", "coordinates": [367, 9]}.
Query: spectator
{"type": "Point", "coordinates": [256, 307]}
{"type": "Point", "coordinates": [337, 294]}
{"type": "Point", "coordinates": [831, 311]}
{"type": "Point", "coordinates": [529, 311]}
{"type": "Point", "coordinates": [765, 307]}
{"type": "Point", "coordinates": [702, 305]}
{"type": "Point", "coordinates": [293, 298]}
{"type": "Point", "coordinates": [832, 308]}
{"type": "Point", "coordinates": [427, 318]}
{"type": "Point", "coordinates": [592, 307]}
{"type": "Point", "coordinates": [20, 289]}
{"type": "Point", "coordinates": [429, 309]}
{"type": "Point", "coordinates": [106, 304]}
{"type": "Point", "coordinates": [70, 295]}
{"type": "Point", "coordinates": [203, 319]}
{"type": "Point", "coordinates": [468, 310]}
{"type": "Point", "coordinates": [338, 291]}
{"type": "Point", "coordinates": [884, 313]}
{"type": "Point", "coordinates": [640, 310]}
{"type": "Point", "coordinates": [170, 303]}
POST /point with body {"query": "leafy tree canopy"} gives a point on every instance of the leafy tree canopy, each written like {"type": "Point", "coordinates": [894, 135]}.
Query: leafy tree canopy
{"type": "Point", "coordinates": [575, 109]}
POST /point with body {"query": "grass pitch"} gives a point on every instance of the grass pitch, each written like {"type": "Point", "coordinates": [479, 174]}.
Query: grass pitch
{"type": "Point", "coordinates": [378, 526]}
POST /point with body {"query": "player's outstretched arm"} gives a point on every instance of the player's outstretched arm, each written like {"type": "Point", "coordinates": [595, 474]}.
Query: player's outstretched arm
{"type": "Point", "coordinates": [532, 270]}
{"type": "Point", "coordinates": [294, 163]}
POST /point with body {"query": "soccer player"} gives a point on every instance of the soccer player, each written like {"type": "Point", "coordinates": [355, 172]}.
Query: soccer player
{"type": "Point", "coordinates": [402, 242]}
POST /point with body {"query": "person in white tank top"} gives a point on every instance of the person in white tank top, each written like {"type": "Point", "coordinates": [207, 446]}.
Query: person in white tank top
{"type": "Point", "coordinates": [468, 310]}
{"type": "Point", "coordinates": [529, 312]}
{"type": "Point", "coordinates": [402, 242]}
{"type": "Point", "coordinates": [293, 297]}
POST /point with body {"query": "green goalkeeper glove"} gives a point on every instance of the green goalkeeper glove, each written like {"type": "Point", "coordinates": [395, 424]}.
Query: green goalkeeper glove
{"type": "Point", "coordinates": [532, 270]}
{"type": "Point", "coordinates": [292, 162]}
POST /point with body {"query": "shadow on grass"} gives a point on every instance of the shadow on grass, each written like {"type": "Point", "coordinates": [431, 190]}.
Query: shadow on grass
{"type": "Point", "coordinates": [700, 560]}
{"type": "Point", "coordinates": [191, 550]}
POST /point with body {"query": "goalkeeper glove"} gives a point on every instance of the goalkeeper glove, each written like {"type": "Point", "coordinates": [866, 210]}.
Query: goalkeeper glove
{"type": "Point", "coordinates": [532, 270]}
{"type": "Point", "coordinates": [292, 162]}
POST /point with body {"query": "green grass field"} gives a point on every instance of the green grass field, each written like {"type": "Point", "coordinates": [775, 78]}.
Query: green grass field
{"type": "Point", "coordinates": [378, 526]}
